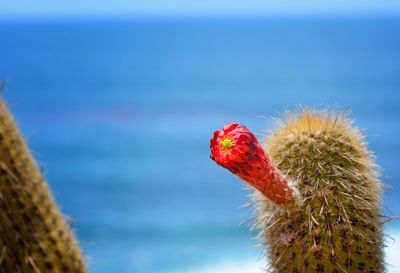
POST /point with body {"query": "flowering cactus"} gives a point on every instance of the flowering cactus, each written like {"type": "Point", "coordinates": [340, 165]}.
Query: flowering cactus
{"type": "Point", "coordinates": [318, 210]}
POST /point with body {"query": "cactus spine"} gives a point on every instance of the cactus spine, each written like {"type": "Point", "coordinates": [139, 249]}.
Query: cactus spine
{"type": "Point", "coordinates": [34, 236]}
{"type": "Point", "coordinates": [338, 226]}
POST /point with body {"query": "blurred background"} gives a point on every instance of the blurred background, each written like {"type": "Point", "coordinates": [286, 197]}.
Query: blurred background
{"type": "Point", "coordinates": [118, 100]}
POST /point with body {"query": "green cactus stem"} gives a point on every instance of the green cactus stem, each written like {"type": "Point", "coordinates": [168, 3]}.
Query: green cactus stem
{"type": "Point", "coordinates": [318, 192]}
{"type": "Point", "coordinates": [338, 225]}
{"type": "Point", "coordinates": [34, 236]}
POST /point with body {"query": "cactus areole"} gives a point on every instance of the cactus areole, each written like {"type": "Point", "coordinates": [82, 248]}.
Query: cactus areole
{"type": "Point", "coordinates": [318, 208]}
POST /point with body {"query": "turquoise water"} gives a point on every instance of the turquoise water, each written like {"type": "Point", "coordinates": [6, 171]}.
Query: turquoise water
{"type": "Point", "coordinates": [120, 112]}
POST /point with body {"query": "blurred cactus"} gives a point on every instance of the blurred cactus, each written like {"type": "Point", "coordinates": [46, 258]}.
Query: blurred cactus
{"type": "Point", "coordinates": [34, 236]}
{"type": "Point", "coordinates": [335, 224]}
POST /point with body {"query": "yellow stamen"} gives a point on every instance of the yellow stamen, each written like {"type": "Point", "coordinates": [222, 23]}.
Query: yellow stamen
{"type": "Point", "coordinates": [226, 143]}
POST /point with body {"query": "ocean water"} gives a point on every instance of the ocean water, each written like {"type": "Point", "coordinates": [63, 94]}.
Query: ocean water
{"type": "Point", "coordinates": [119, 113]}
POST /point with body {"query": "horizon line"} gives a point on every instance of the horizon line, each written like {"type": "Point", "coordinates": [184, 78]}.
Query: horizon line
{"type": "Point", "coordinates": [199, 15]}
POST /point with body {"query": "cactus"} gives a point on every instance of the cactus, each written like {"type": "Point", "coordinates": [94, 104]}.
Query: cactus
{"type": "Point", "coordinates": [34, 236]}
{"type": "Point", "coordinates": [321, 162]}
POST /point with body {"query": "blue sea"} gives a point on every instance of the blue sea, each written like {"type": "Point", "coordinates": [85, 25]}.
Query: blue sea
{"type": "Point", "coordinates": [119, 113]}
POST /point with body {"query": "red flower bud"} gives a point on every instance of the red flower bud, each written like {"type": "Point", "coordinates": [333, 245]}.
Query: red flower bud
{"type": "Point", "coordinates": [237, 149]}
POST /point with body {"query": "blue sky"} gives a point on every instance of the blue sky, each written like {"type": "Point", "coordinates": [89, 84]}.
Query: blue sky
{"type": "Point", "coordinates": [197, 7]}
